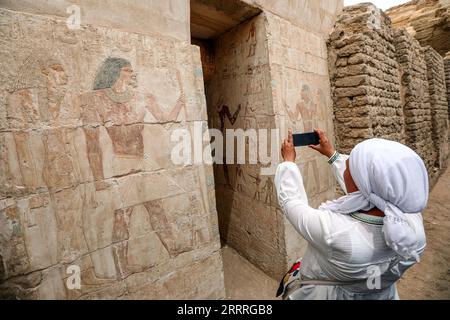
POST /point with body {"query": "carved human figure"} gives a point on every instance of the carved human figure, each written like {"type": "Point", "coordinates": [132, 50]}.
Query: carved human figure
{"type": "Point", "coordinates": [306, 109]}
{"type": "Point", "coordinates": [268, 190]}
{"type": "Point", "coordinates": [174, 238]}
{"type": "Point", "coordinates": [258, 189]}
{"type": "Point", "coordinates": [36, 99]}
{"type": "Point", "coordinates": [121, 235]}
{"type": "Point", "coordinates": [240, 178]}
{"type": "Point", "coordinates": [44, 156]}
{"type": "Point", "coordinates": [113, 104]}
{"type": "Point", "coordinates": [119, 108]}
{"type": "Point", "coordinates": [38, 93]}
{"type": "Point", "coordinates": [57, 81]}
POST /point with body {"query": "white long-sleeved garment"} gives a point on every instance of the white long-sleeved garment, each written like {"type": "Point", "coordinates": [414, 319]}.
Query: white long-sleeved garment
{"type": "Point", "coordinates": [343, 248]}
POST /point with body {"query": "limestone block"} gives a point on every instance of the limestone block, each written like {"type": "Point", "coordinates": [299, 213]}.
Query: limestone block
{"type": "Point", "coordinates": [315, 17]}
{"type": "Point", "coordinates": [172, 19]}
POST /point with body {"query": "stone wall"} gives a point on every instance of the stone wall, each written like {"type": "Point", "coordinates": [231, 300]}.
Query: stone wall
{"type": "Point", "coordinates": [415, 96]}
{"type": "Point", "coordinates": [85, 183]}
{"type": "Point", "coordinates": [439, 106]}
{"type": "Point", "coordinates": [316, 16]}
{"type": "Point", "coordinates": [365, 78]}
{"type": "Point", "coordinates": [86, 117]}
{"type": "Point", "coordinates": [269, 72]}
{"type": "Point", "coordinates": [384, 84]}
{"type": "Point", "coordinates": [447, 78]}
{"type": "Point", "coordinates": [239, 97]}
{"type": "Point", "coordinates": [301, 96]}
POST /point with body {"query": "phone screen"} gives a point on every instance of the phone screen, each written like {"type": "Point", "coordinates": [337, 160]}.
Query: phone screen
{"type": "Point", "coordinates": [305, 139]}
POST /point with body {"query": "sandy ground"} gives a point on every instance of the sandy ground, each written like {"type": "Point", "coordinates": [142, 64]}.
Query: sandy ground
{"type": "Point", "coordinates": [429, 279]}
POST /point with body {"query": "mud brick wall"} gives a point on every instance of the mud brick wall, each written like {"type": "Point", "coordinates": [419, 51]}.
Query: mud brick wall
{"type": "Point", "coordinates": [439, 105]}
{"type": "Point", "coordinates": [447, 78]}
{"type": "Point", "coordinates": [415, 96]}
{"type": "Point", "coordinates": [384, 84]}
{"type": "Point", "coordinates": [86, 177]}
{"type": "Point", "coordinates": [364, 78]}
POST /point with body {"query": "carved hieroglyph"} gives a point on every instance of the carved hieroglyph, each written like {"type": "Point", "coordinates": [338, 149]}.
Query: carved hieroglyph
{"type": "Point", "coordinates": [84, 180]}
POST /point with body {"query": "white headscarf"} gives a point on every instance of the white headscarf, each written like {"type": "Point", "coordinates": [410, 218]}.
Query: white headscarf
{"type": "Point", "coordinates": [393, 178]}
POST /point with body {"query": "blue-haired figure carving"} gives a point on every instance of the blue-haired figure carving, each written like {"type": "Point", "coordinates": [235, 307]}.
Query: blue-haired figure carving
{"type": "Point", "coordinates": [116, 109]}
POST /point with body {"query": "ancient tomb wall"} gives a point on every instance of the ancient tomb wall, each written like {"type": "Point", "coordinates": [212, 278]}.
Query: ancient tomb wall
{"type": "Point", "coordinates": [316, 16]}
{"type": "Point", "coordinates": [169, 18]}
{"type": "Point", "coordinates": [270, 72]}
{"type": "Point", "coordinates": [87, 181]}
{"type": "Point", "coordinates": [301, 96]}
{"type": "Point", "coordinates": [439, 106]}
{"type": "Point", "coordinates": [415, 96]}
{"type": "Point", "coordinates": [364, 77]}
{"type": "Point", "coordinates": [239, 96]}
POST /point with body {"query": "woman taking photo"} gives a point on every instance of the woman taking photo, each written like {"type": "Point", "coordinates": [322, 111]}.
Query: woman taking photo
{"type": "Point", "coordinates": [360, 244]}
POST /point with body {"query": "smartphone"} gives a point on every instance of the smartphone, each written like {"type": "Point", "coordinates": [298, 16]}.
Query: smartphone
{"type": "Point", "coordinates": [305, 139]}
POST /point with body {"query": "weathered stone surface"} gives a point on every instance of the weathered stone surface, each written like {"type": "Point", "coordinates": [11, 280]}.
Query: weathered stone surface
{"type": "Point", "coordinates": [439, 106]}
{"type": "Point", "coordinates": [301, 101]}
{"type": "Point", "coordinates": [427, 20]}
{"type": "Point", "coordinates": [83, 180]}
{"type": "Point", "coordinates": [366, 89]}
{"type": "Point", "coordinates": [415, 97]}
{"type": "Point", "coordinates": [385, 84]}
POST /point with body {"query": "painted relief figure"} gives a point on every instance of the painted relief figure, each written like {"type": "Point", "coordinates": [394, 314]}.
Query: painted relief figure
{"type": "Point", "coordinates": [57, 81]}
{"type": "Point", "coordinates": [35, 100]}
{"type": "Point", "coordinates": [240, 178]}
{"type": "Point", "coordinates": [268, 190]}
{"type": "Point", "coordinates": [307, 108]}
{"type": "Point", "coordinates": [116, 105]}
{"type": "Point", "coordinates": [38, 94]}
{"type": "Point", "coordinates": [113, 104]}
{"type": "Point", "coordinates": [259, 189]}
{"type": "Point", "coordinates": [310, 109]}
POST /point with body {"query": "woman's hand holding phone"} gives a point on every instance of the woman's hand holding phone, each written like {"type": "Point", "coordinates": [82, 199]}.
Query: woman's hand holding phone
{"type": "Point", "coordinates": [325, 147]}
